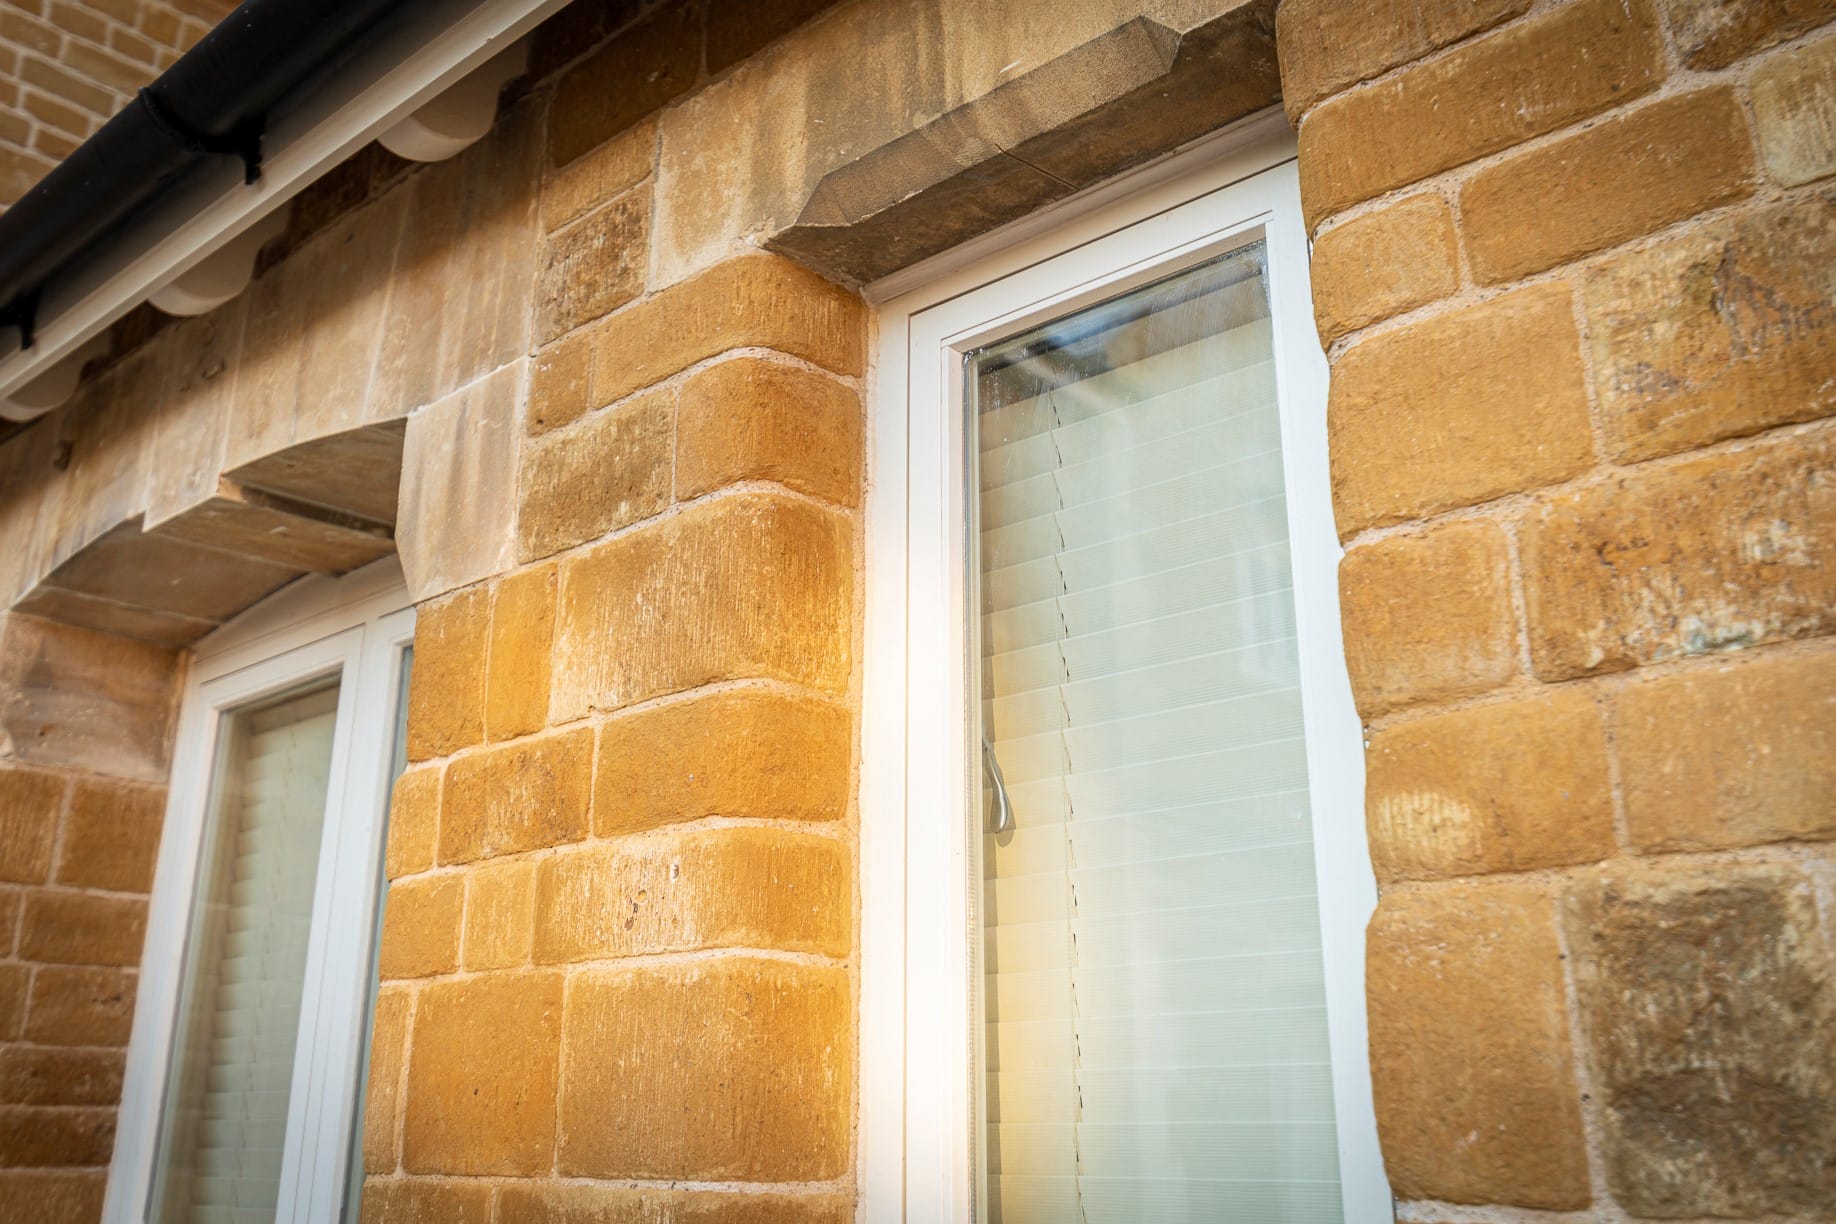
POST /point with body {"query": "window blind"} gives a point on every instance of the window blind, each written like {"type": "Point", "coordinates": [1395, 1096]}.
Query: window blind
{"type": "Point", "coordinates": [226, 1103]}
{"type": "Point", "coordinates": [1155, 1040]}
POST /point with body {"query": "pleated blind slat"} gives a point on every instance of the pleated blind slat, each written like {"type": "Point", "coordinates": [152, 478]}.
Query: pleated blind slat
{"type": "Point", "coordinates": [1154, 1018]}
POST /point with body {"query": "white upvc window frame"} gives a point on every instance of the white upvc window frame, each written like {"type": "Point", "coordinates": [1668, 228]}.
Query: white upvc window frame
{"type": "Point", "coordinates": [355, 628]}
{"type": "Point", "coordinates": [918, 954]}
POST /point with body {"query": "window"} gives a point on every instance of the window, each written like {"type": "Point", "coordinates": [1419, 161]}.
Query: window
{"type": "Point", "coordinates": [250, 1035]}
{"type": "Point", "coordinates": [1115, 876]}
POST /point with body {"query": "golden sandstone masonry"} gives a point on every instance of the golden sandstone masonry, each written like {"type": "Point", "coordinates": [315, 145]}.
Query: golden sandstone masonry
{"type": "Point", "coordinates": [1573, 268]}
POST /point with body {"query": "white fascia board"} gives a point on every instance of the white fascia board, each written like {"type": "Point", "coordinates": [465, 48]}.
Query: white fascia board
{"type": "Point", "coordinates": [384, 83]}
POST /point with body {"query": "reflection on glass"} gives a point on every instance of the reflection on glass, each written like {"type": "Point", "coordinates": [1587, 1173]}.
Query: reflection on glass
{"type": "Point", "coordinates": [1155, 1028]}
{"type": "Point", "coordinates": [224, 1119]}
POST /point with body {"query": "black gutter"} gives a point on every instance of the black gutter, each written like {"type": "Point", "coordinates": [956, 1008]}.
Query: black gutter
{"type": "Point", "coordinates": [214, 102]}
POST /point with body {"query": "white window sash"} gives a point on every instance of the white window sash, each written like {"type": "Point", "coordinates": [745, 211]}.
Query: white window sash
{"type": "Point", "coordinates": [919, 966]}
{"type": "Point", "coordinates": [354, 628]}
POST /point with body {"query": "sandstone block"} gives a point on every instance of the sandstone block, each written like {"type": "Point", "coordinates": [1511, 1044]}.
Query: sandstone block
{"type": "Point", "coordinates": [38, 1076]}
{"type": "Point", "coordinates": [1707, 555]}
{"type": "Point", "coordinates": [1510, 787]}
{"type": "Point", "coordinates": [735, 31]}
{"type": "Point", "coordinates": [456, 526]}
{"type": "Point", "coordinates": [85, 700]}
{"type": "Point", "coordinates": [749, 419]}
{"type": "Point", "coordinates": [745, 753]}
{"type": "Point", "coordinates": [522, 796]}
{"type": "Point", "coordinates": [647, 65]}
{"type": "Point", "coordinates": [735, 1069]}
{"type": "Point", "coordinates": [484, 1061]}
{"type": "Point", "coordinates": [30, 802]}
{"type": "Point", "coordinates": [111, 836]}
{"type": "Point", "coordinates": [575, 1203]}
{"type": "Point", "coordinates": [44, 1138]}
{"type": "Point", "coordinates": [382, 1093]}
{"type": "Point", "coordinates": [1383, 264]}
{"type": "Point", "coordinates": [1715, 33]}
{"type": "Point", "coordinates": [1458, 409]}
{"type": "Point", "coordinates": [499, 905]}
{"type": "Point", "coordinates": [15, 982]}
{"type": "Point", "coordinates": [756, 300]}
{"type": "Point", "coordinates": [593, 266]}
{"type": "Point", "coordinates": [1470, 1056]}
{"type": "Point", "coordinates": [600, 474]}
{"type": "Point", "coordinates": [446, 692]}
{"type": "Point", "coordinates": [10, 905]}
{"type": "Point", "coordinates": [414, 822]}
{"type": "Point", "coordinates": [1428, 617]}
{"type": "Point", "coordinates": [1627, 176]}
{"type": "Point", "coordinates": [522, 645]}
{"type": "Point", "coordinates": [749, 586]}
{"type": "Point", "coordinates": [560, 383]}
{"type": "Point", "coordinates": [595, 177]}
{"type": "Point", "coordinates": [80, 929]}
{"type": "Point", "coordinates": [1707, 1002]}
{"type": "Point", "coordinates": [1532, 77]}
{"type": "Point", "coordinates": [1329, 45]}
{"type": "Point", "coordinates": [80, 1006]}
{"type": "Point", "coordinates": [1730, 755]}
{"type": "Point", "coordinates": [415, 1202]}
{"type": "Point", "coordinates": [715, 888]}
{"type": "Point", "coordinates": [54, 1198]}
{"type": "Point", "coordinates": [1794, 105]}
{"type": "Point", "coordinates": [420, 934]}
{"type": "Point", "coordinates": [1722, 331]}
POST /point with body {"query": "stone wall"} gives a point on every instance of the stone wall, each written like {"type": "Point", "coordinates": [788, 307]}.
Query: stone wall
{"type": "Point", "coordinates": [85, 729]}
{"type": "Point", "coordinates": [1575, 272]}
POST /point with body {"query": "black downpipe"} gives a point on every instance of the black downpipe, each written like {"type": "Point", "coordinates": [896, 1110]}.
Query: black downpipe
{"type": "Point", "coordinates": [215, 101]}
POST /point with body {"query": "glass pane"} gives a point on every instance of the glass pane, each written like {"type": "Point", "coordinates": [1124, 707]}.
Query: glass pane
{"type": "Point", "coordinates": [1153, 1004]}
{"type": "Point", "coordinates": [225, 1112]}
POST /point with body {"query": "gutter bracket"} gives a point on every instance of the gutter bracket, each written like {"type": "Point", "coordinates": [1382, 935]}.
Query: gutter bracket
{"type": "Point", "coordinates": [243, 141]}
{"type": "Point", "coordinates": [22, 313]}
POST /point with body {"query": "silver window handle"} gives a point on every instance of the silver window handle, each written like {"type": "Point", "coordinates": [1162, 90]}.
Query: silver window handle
{"type": "Point", "coordinates": [1004, 811]}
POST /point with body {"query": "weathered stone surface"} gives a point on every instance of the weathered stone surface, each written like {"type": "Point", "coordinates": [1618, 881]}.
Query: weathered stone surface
{"type": "Point", "coordinates": [735, 31]}
{"type": "Point", "coordinates": [383, 1089]}
{"type": "Point", "coordinates": [755, 300]}
{"type": "Point", "coordinates": [1382, 264]}
{"type": "Point", "coordinates": [575, 1203]}
{"type": "Point", "coordinates": [750, 419]}
{"type": "Point", "coordinates": [44, 1138]}
{"type": "Point", "coordinates": [458, 502]}
{"type": "Point", "coordinates": [1730, 755]}
{"type": "Point", "coordinates": [1705, 555]}
{"type": "Point", "coordinates": [1722, 331]}
{"type": "Point", "coordinates": [595, 177]}
{"type": "Point", "coordinates": [594, 265]}
{"type": "Point", "coordinates": [733, 1069]}
{"type": "Point", "coordinates": [500, 901]}
{"type": "Point", "coordinates": [1532, 77]}
{"type": "Point", "coordinates": [414, 822]}
{"type": "Point", "coordinates": [446, 692]}
{"type": "Point", "coordinates": [1715, 33]}
{"type": "Point", "coordinates": [716, 888]}
{"type": "Point", "coordinates": [522, 642]}
{"type": "Point", "coordinates": [1707, 1001]}
{"type": "Point", "coordinates": [417, 1202]}
{"type": "Point", "coordinates": [1470, 1056]}
{"type": "Point", "coordinates": [748, 586]}
{"type": "Point", "coordinates": [420, 934]}
{"type": "Point", "coordinates": [357, 471]}
{"type": "Point", "coordinates": [1329, 45]}
{"type": "Point", "coordinates": [1458, 409]}
{"type": "Point", "coordinates": [1509, 787]}
{"type": "Point", "coordinates": [15, 983]}
{"type": "Point", "coordinates": [40, 1076]}
{"type": "Point", "coordinates": [1428, 617]}
{"type": "Point", "coordinates": [744, 753]}
{"type": "Point", "coordinates": [1624, 177]}
{"type": "Point", "coordinates": [31, 802]}
{"type": "Point", "coordinates": [80, 1006]}
{"type": "Point", "coordinates": [87, 700]}
{"type": "Point", "coordinates": [163, 574]}
{"type": "Point", "coordinates": [63, 928]}
{"type": "Point", "coordinates": [597, 475]}
{"type": "Point", "coordinates": [647, 65]}
{"type": "Point", "coordinates": [560, 383]}
{"type": "Point", "coordinates": [72, 608]}
{"type": "Point", "coordinates": [1794, 106]}
{"type": "Point", "coordinates": [522, 796]}
{"type": "Point", "coordinates": [55, 1198]}
{"type": "Point", "coordinates": [111, 836]}
{"type": "Point", "coordinates": [482, 1074]}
